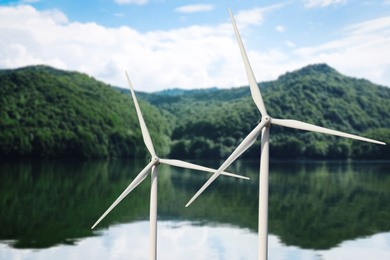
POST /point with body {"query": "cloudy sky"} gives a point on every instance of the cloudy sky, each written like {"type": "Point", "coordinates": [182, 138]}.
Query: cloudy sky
{"type": "Point", "coordinates": [191, 44]}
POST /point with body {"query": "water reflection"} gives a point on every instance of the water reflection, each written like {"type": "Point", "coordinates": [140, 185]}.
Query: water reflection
{"type": "Point", "coordinates": [179, 240]}
{"type": "Point", "coordinates": [317, 210]}
{"type": "Point", "coordinates": [49, 203]}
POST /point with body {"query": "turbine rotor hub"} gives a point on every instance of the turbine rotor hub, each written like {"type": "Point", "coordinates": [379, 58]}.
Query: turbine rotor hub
{"type": "Point", "coordinates": [267, 120]}
{"type": "Point", "coordinates": [156, 160]}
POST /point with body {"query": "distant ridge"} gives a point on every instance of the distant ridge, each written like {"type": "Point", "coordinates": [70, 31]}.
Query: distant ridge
{"type": "Point", "coordinates": [173, 91]}
{"type": "Point", "coordinates": [179, 91]}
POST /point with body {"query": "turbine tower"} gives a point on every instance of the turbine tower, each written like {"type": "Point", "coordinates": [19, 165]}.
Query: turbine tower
{"type": "Point", "coordinates": [153, 165]}
{"type": "Point", "coordinates": [263, 127]}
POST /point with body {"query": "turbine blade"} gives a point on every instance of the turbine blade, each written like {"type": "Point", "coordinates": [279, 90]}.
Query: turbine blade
{"type": "Point", "coordinates": [140, 177]}
{"type": "Point", "coordinates": [144, 129]}
{"type": "Point", "coordinates": [245, 144]}
{"type": "Point", "coordinates": [183, 164]}
{"type": "Point", "coordinates": [309, 127]}
{"type": "Point", "coordinates": [255, 91]}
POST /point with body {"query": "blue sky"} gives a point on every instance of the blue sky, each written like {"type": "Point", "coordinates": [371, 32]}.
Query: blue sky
{"type": "Point", "coordinates": [191, 44]}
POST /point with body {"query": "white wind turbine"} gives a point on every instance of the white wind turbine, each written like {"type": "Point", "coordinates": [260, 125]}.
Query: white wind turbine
{"type": "Point", "coordinates": [153, 165]}
{"type": "Point", "coordinates": [263, 127]}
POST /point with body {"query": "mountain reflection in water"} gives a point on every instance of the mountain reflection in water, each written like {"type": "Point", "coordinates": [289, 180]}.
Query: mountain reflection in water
{"type": "Point", "coordinates": [318, 210]}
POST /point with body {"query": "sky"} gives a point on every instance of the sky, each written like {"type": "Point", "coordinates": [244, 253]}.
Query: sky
{"type": "Point", "coordinates": [191, 44]}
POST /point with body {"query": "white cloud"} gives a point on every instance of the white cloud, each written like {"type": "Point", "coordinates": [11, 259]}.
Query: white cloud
{"type": "Point", "coordinates": [197, 56]}
{"type": "Point", "coordinates": [290, 44]}
{"type": "Point", "coordinates": [247, 17]}
{"type": "Point", "coordinates": [193, 57]}
{"type": "Point", "coordinates": [255, 16]}
{"type": "Point", "coordinates": [195, 8]}
{"type": "Point", "coordinates": [372, 26]}
{"type": "Point", "coordinates": [322, 3]}
{"type": "Point", "coordinates": [362, 52]}
{"type": "Point", "coordinates": [387, 2]}
{"type": "Point", "coordinates": [138, 2]}
{"type": "Point", "coordinates": [280, 28]}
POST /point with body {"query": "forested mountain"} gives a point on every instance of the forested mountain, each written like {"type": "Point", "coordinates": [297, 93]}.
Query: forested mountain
{"type": "Point", "coordinates": [212, 124]}
{"type": "Point", "coordinates": [51, 113]}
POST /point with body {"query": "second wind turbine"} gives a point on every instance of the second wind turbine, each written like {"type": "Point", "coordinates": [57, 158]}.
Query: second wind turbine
{"type": "Point", "coordinates": [263, 127]}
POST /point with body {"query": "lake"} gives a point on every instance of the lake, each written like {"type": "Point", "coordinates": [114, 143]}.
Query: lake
{"type": "Point", "coordinates": [317, 210]}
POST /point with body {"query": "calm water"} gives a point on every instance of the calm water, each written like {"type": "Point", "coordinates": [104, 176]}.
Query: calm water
{"type": "Point", "coordinates": [318, 210]}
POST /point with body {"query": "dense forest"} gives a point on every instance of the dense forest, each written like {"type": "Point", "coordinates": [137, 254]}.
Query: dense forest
{"type": "Point", "coordinates": [52, 113]}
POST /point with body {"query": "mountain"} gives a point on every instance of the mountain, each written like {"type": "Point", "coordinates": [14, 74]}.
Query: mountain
{"type": "Point", "coordinates": [47, 112]}
{"type": "Point", "coordinates": [214, 123]}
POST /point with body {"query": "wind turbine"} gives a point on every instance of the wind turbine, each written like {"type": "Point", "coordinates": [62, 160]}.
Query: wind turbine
{"type": "Point", "coordinates": [263, 127]}
{"type": "Point", "coordinates": [153, 165]}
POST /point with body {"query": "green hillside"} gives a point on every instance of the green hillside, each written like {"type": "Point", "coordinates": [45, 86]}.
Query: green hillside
{"type": "Point", "coordinates": [52, 113]}
{"type": "Point", "coordinates": [214, 123]}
